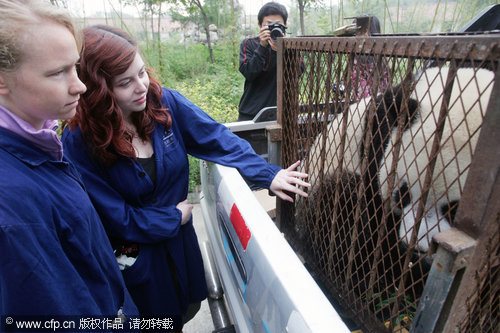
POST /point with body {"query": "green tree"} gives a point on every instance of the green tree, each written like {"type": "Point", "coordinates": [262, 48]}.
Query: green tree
{"type": "Point", "coordinates": [197, 12]}
{"type": "Point", "coordinates": [154, 7]}
{"type": "Point", "coordinates": [233, 33]}
{"type": "Point", "coordinates": [150, 9]}
{"type": "Point", "coordinates": [303, 4]}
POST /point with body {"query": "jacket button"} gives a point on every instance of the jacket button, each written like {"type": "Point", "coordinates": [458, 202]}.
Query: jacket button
{"type": "Point", "coordinates": [142, 174]}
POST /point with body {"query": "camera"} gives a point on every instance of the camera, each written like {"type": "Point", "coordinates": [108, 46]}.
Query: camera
{"type": "Point", "coordinates": [277, 30]}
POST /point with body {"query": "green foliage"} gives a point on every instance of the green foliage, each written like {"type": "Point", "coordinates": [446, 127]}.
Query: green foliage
{"type": "Point", "coordinates": [396, 16]}
{"type": "Point", "coordinates": [318, 21]}
{"type": "Point", "coordinates": [215, 88]}
{"type": "Point", "coordinates": [217, 11]}
{"type": "Point", "coordinates": [388, 301]}
{"type": "Point", "coordinates": [415, 16]}
{"type": "Point", "coordinates": [201, 94]}
{"type": "Point", "coordinates": [194, 173]}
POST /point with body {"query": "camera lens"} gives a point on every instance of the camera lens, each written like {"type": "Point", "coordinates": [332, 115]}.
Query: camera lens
{"type": "Point", "coordinates": [275, 33]}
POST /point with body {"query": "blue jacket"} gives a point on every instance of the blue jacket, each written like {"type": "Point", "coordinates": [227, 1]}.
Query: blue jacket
{"type": "Point", "coordinates": [132, 209]}
{"type": "Point", "coordinates": [55, 258]}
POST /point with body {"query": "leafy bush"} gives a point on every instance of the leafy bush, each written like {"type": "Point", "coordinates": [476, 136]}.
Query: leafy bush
{"type": "Point", "coordinates": [215, 88]}
{"type": "Point", "coordinates": [203, 95]}
{"type": "Point", "coordinates": [194, 173]}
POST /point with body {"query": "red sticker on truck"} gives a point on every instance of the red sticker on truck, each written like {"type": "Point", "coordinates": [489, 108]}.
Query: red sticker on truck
{"type": "Point", "coordinates": [240, 226]}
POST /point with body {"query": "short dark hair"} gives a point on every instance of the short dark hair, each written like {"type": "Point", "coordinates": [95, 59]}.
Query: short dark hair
{"type": "Point", "coordinates": [375, 27]}
{"type": "Point", "coordinates": [272, 8]}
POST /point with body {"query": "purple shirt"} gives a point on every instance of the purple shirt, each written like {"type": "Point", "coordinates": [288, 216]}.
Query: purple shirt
{"type": "Point", "coordinates": [46, 139]}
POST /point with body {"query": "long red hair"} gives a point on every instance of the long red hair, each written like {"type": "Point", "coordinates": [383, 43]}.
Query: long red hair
{"type": "Point", "coordinates": [108, 52]}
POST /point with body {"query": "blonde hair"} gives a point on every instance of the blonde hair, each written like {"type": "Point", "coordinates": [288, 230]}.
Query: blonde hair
{"type": "Point", "coordinates": [15, 15]}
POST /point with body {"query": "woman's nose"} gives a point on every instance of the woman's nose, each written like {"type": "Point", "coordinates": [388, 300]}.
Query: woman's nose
{"type": "Point", "coordinates": [141, 86]}
{"type": "Point", "coordinates": [77, 87]}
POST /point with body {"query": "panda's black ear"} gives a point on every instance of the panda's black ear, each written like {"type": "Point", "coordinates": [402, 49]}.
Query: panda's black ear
{"type": "Point", "coordinates": [410, 111]}
{"type": "Point", "coordinates": [391, 104]}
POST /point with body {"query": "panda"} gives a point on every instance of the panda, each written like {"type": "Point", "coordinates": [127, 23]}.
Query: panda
{"type": "Point", "coordinates": [341, 181]}
{"type": "Point", "coordinates": [338, 179]}
{"type": "Point", "coordinates": [468, 102]}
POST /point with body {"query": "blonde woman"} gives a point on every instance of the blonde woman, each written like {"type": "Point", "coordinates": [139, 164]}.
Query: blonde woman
{"type": "Point", "coordinates": [55, 257]}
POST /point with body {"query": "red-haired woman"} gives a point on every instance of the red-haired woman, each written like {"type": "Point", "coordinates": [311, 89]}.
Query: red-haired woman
{"type": "Point", "coordinates": [130, 139]}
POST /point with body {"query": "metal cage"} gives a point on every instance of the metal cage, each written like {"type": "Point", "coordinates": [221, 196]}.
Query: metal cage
{"type": "Point", "coordinates": [400, 138]}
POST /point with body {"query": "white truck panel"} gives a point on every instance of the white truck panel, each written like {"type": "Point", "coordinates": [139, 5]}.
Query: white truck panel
{"type": "Point", "coordinates": [270, 291]}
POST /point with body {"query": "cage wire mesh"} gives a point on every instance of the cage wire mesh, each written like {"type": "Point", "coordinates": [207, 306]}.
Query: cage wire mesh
{"type": "Point", "coordinates": [386, 128]}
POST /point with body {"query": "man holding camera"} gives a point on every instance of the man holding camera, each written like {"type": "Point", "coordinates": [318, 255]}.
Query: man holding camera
{"type": "Point", "coordinates": [258, 61]}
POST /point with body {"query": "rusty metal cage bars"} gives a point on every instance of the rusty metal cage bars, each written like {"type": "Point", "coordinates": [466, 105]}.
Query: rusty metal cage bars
{"type": "Point", "coordinates": [305, 108]}
{"type": "Point", "coordinates": [476, 306]}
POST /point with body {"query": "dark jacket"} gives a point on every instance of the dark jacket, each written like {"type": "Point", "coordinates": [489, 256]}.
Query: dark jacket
{"type": "Point", "coordinates": [55, 257]}
{"type": "Point", "coordinates": [258, 66]}
{"type": "Point", "coordinates": [136, 210]}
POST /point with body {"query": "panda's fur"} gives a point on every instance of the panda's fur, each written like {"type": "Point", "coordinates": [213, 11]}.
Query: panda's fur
{"type": "Point", "coordinates": [468, 102]}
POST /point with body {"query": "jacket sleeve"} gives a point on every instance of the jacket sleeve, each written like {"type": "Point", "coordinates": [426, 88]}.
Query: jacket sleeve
{"type": "Point", "coordinates": [253, 58]}
{"type": "Point", "coordinates": [209, 140]}
{"type": "Point", "coordinates": [145, 224]}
